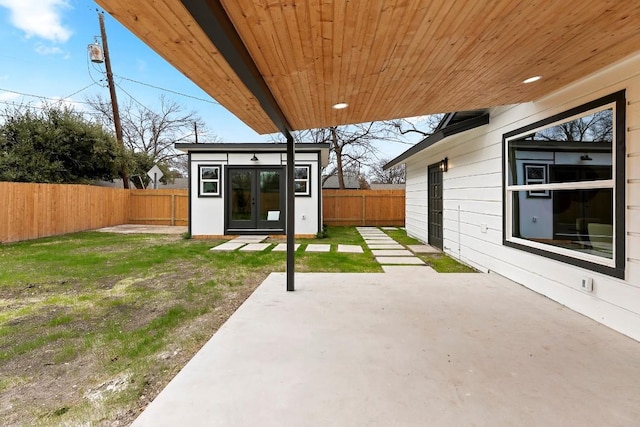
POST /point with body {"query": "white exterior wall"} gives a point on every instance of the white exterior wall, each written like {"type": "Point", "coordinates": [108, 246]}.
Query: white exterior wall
{"type": "Point", "coordinates": [207, 213]}
{"type": "Point", "coordinates": [472, 192]}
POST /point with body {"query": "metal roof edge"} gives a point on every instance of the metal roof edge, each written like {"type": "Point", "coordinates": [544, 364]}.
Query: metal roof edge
{"type": "Point", "coordinates": [247, 146]}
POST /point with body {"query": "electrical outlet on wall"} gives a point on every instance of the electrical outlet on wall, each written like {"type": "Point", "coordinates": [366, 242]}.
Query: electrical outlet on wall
{"type": "Point", "coordinates": [586, 283]}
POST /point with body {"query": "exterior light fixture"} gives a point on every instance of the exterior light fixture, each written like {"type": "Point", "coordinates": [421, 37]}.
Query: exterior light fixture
{"type": "Point", "coordinates": [340, 106]}
{"type": "Point", "coordinates": [254, 158]}
{"type": "Point", "coordinates": [531, 79]}
{"type": "Point", "coordinates": [444, 164]}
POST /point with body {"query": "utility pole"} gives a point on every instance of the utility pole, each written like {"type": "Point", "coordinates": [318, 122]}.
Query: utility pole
{"type": "Point", "coordinates": [114, 100]}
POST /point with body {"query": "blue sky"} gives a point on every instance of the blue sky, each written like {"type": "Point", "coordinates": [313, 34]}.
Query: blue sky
{"type": "Point", "coordinates": [43, 51]}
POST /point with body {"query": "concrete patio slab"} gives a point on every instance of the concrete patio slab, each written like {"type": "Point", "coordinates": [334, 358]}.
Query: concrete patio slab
{"type": "Point", "coordinates": [255, 247]}
{"type": "Point", "coordinates": [409, 260]}
{"type": "Point", "coordinates": [228, 246]}
{"type": "Point", "coordinates": [420, 270]}
{"type": "Point", "coordinates": [423, 249]}
{"type": "Point", "coordinates": [318, 247]}
{"type": "Point", "coordinates": [389, 228]}
{"type": "Point", "coordinates": [282, 247]}
{"type": "Point", "coordinates": [391, 252]}
{"type": "Point", "coordinates": [351, 249]}
{"type": "Point", "coordinates": [399, 349]}
{"type": "Point", "coordinates": [385, 246]}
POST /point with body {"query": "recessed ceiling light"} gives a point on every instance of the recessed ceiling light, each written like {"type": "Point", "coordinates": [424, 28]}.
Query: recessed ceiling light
{"type": "Point", "coordinates": [340, 106]}
{"type": "Point", "coordinates": [532, 79]}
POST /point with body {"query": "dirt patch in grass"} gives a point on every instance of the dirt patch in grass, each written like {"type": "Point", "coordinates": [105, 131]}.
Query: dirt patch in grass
{"type": "Point", "coordinates": [94, 325]}
{"type": "Point", "coordinates": [94, 348]}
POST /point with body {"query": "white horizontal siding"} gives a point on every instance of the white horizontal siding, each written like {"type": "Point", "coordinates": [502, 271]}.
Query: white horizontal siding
{"type": "Point", "coordinates": [472, 191]}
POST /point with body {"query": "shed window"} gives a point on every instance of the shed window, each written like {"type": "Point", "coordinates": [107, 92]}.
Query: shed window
{"type": "Point", "coordinates": [564, 186]}
{"type": "Point", "coordinates": [302, 180]}
{"type": "Point", "coordinates": [209, 177]}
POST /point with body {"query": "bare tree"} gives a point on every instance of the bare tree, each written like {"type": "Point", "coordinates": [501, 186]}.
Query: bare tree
{"type": "Point", "coordinates": [153, 132]}
{"type": "Point", "coordinates": [394, 175]}
{"type": "Point", "coordinates": [353, 148]}
{"type": "Point", "coordinates": [408, 126]}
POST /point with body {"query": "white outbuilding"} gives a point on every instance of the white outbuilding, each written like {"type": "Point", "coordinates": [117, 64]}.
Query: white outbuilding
{"type": "Point", "coordinates": [239, 188]}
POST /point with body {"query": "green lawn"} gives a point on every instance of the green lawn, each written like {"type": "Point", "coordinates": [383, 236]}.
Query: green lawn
{"type": "Point", "coordinates": [94, 325]}
{"type": "Point", "coordinates": [84, 314]}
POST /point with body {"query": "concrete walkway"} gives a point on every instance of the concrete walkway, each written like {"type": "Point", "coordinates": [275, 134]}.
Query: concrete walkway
{"type": "Point", "coordinates": [408, 347]}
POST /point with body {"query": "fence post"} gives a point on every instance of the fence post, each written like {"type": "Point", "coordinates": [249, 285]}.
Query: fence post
{"type": "Point", "coordinates": [364, 211]}
{"type": "Point", "coordinates": [173, 209]}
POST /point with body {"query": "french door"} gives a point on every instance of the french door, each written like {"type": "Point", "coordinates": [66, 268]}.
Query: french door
{"type": "Point", "coordinates": [255, 199]}
{"type": "Point", "coordinates": [434, 207]}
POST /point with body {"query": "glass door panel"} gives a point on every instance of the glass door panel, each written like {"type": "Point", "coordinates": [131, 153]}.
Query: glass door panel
{"type": "Point", "coordinates": [255, 199]}
{"type": "Point", "coordinates": [270, 206]}
{"type": "Point", "coordinates": [242, 200]}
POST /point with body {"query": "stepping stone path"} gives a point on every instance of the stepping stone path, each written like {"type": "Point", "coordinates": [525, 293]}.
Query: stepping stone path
{"type": "Point", "coordinates": [387, 251]}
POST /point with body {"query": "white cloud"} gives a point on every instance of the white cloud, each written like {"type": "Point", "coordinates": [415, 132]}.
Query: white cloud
{"type": "Point", "coordinates": [39, 18]}
{"type": "Point", "coordinates": [48, 50]}
{"type": "Point", "coordinates": [8, 96]}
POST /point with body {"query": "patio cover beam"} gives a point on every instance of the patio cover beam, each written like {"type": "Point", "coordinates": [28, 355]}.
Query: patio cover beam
{"type": "Point", "coordinates": [214, 21]}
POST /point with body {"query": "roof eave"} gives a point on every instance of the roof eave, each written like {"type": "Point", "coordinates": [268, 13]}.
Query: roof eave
{"type": "Point", "coordinates": [437, 136]}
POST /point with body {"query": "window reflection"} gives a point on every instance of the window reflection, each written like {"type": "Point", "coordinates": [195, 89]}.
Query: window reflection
{"type": "Point", "coordinates": [575, 154]}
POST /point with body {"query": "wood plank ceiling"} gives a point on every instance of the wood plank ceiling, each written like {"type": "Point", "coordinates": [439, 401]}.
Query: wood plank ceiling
{"type": "Point", "coordinates": [389, 58]}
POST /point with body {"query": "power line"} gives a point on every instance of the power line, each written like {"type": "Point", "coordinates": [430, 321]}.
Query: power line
{"type": "Point", "coordinates": [80, 90]}
{"type": "Point", "coordinates": [134, 99]}
{"type": "Point", "coordinates": [168, 90]}
{"type": "Point", "coordinates": [43, 97]}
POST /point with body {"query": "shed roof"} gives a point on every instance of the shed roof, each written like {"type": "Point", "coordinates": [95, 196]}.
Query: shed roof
{"type": "Point", "coordinates": [283, 64]}
{"type": "Point", "coordinates": [249, 147]}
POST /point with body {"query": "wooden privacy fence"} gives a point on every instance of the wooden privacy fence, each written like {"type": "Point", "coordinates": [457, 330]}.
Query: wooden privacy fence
{"type": "Point", "coordinates": [159, 207]}
{"type": "Point", "coordinates": [32, 211]}
{"type": "Point", "coordinates": [363, 207]}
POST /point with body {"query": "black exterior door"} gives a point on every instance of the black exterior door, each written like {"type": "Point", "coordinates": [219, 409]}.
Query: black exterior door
{"type": "Point", "coordinates": [255, 199]}
{"type": "Point", "coordinates": [434, 208]}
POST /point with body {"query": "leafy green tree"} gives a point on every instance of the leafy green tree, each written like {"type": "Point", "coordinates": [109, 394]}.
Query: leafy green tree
{"type": "Point", "coordinates": [55, 144]}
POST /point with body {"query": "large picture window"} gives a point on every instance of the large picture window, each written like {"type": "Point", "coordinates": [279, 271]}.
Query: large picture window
{"type": "Point", "coordinates": [564, 186]}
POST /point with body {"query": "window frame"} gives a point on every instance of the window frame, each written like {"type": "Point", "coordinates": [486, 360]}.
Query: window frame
{"type": "Point", "coordinates": [306, 193]}
{"type": "Point", "coordinates": [614, 266]}
{"type": "Point", "coordinates": [202, 181]}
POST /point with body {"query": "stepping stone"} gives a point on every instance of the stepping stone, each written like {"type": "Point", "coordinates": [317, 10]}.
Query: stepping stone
{"type": "Point", "coordinates": [385, 246]}
{"type": "Point", "coordinates": [366, 228]}
{"type": "Point", "coordinates": [387, 241]}
{"type": "Point", "coordinates": [389, 228]}
{"type": "Point", "coordinates": [351, 249]}
{"type": "Point", "coordinates": [423, 249]}
{"type": "Point", "coordinates": [282, 247]}
{"type": "Point", "coordinates": [249, 239]}
{"type": "Point", "coordinates": [411, 260]}
{"type": "Point", "coordinates": [255, 247]}
{"type": "Point", "coordinates": [317, 247]}
{"type": "Point", "coordinates": [389, 252]}
{"type": "Point", "coordinates": [228, 246]}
